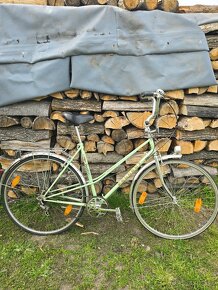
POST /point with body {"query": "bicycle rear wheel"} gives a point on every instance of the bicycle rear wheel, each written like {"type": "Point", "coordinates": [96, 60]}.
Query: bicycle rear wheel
{"type": "Point", "coordinates": [195, 206]}
{"type": "Point", "coordinates": [23, 185]}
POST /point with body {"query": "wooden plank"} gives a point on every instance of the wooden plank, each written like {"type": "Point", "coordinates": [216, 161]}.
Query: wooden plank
{"type": "Point", "coordinates": [207, 100]}
{"type": "Point", "coordinates": [126, 106]}
{"type": "Point", "coordinates": [76, 105]}
{"type": "Point", "coordinates": [206, 134]}
{"type": "Point", "coordinates": [85, 129]}
{"type": "Point", "coordinates": [23, 134]}
{"type": "Point", "coordinates": [30, 108]}
{"type": "Point", "coordinates": [200, 111]}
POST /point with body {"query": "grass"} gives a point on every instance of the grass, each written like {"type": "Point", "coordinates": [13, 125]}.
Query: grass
{"type": "Point", "coordinates": [115, 256]}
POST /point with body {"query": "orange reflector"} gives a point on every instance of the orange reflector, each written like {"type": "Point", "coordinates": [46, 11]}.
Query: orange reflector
{"type": "Point", "coordinates": [142, 197]}
{"type": "Point", "coordinates": [68, 210]}
{"type": "Point", "coordinates": [198, 204]}
{"type": "Point", "coordinates": [15, 181]}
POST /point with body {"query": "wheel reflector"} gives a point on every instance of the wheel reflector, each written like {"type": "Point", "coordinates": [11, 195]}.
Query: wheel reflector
{"type": "Point", "coordinates": [15, 181]}
{"type": "Point", "coordinates": [198, 205]}
{"type": "Point", "coordinates": [142, 197]}
{"type": "Point", "coordinates": [68, 210]}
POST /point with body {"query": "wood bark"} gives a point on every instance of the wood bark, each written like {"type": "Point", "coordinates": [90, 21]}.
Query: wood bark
{"type": "Point", "coordinates": [85, 129]}
{"type": "Point", "coordinates": [6, 121]}
{"type": "Point", "coordinates": [32, 2]}
{"type": "Point", "coordinates": [29, 108]}
{"type": "Point", "coordinates": [76, 105]}
{"type": "Point", "coordinates": [133, 133]}
{"type": "Point", "coordinates": [206, 134]}
{"type": "Point", "coordinates": [209, 28]}
{"type": "Point", "coordinates": [124, 147]}
{"type": "Point", "coordinates": [199, 111]}
{"type": "Point", "coordinates": [199, 9]}
{"type": "Point", "coordinates": [191, 124]}
{"type": "Point", "coordinates": [118, 135]}
{"type": "Point", "coordinates": [205, 155]}
{"type": "Point", "coordinates": [207, 100]}
{"type": "Point", "coordinates": [43, 123]}
{"type": "Point", "coordinates": [111, 157]}
{"type": "Point", "coordinates": [212, 41]}
{"type": "Point", "coordinates": [66, 142]}
{"type": "Point", "coordinates": [75, 3]}
{"type": "Point", "coordinates": [169, 5]}
{"type": "Point", "coordinates": [170, 107]}
{"type": "Point", "coordinates": [138, 119]}
{"type": "Point", "coordinates": [139, 142]}
{"type": "Point", "coordinates": [27, 122]}
{"type": "Point", "coordinates": [25, 146]}
{"type": "Point", "coordinates": [126, 106]}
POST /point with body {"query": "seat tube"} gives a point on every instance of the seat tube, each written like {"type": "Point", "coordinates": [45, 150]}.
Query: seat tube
{"type": "Point", "coordinates": [85, 162]}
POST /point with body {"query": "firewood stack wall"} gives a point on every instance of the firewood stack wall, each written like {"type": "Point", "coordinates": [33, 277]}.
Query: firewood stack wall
{"type": "Point", "coordinates": [117, 127]}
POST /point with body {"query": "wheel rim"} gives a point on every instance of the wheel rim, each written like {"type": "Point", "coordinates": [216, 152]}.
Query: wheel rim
{"type": "Point", "coordinates": [25, 184]}
{"type": "Point", "coordinates": [193, 210]}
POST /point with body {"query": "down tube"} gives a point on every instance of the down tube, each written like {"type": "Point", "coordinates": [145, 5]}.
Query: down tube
{"type": "Point", "coordinates": [129, 173]}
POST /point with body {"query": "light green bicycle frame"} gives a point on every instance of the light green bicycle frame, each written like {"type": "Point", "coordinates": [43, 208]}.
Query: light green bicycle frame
{"type": "Point", "coordinates": [49, 194]}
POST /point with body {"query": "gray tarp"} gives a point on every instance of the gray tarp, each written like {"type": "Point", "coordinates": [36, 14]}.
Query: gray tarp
{"type": "Point", "coordinates": [99, 48]}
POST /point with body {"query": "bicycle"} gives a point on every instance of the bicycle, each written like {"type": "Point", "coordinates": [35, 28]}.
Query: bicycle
{"type": "Point", "coordinates": [44, 193]}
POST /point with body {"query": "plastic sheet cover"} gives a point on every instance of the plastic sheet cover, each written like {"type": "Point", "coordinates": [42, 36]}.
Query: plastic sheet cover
{"type": "Point", "coordinates": [99, 48]}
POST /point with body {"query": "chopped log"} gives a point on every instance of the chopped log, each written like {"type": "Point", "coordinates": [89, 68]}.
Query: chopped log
{"type": "Point", "coordinates": [199, 145]}
{"type": "Point", "coordinates": [176, 94]}
{"type": "Point", "coordinates": [85, 95]}
{"type": "Point", "coordinates": [109, 180]}
{"type": "Point", "coordinates": [214, 52]}
{"type": "Point", "coordinates": [29, 108]}
{"type": "Point", "coordinates": [191, 124]}
{"type": "Point", "coordinates": [215, 64]}
{"type": "Point", "coordinates": [133, 133]}
{"type": "Point", "coordinates": [76, 105]}
{"type": "Point", "coordinates": [99, 118]}
{"type": "Point", "coordinates": [170, 107]}
{"type": "Point", "coordinates": [129, 98]}
{"type": "Point", "coordinates": [96, 96]}
{"type": "Point", "coordinates": [139, 142]}
{"type": "Point", "coordinates": [10, 152]}
{"type": "Point", "coordinates": [98, 169]}
{"type": "Point", "coordinates": [120, 175]}
{"type": "Point", "coordinates": [107, 188]}
{"type": "Point", "coordinates": [104, 147]}
{"type": "Point", "coordinates": [206, 155]}
{"type": "Point", "coordinates": [98, 187]}
{"type": "Point", "coordinates": [124, 147]}
{"type": "Point", "coordinates": [199, 9]}
{"type": "Point", "coordinates": [108, 97]}
{"type": "Point", "coordinates": [169, 5]}
{"type": "Point", "coordinates": [135, 158]}
{"type": "Point", "coordinates": [167, 121]}
{"type": "Point", "coordinates": [199, 111]}
{"type": "Point", "coordinates": [210, 27]}
{"type": "Point", "coordinates": [206, 134]}
{"type": "Point", "coordinates": [202, 90]}
{"type": "Point", "coordinates": [23, 134]}
{"type": "Point", "coordinates": [107, 139]}
{"type": "Point", "coordinates": [66, 142]}
{"type": "Point", "coordinates": [213, 89]}
{"type": "Point", "coordinates": [214, 124]}
{"type": "Point", "coordinates": [213, 145]}
{"type": "Point", "coordinates": [163, 144]}
{"type": "Point", "coordinates": [93, 137]}
{"type": "Point", "coordinates": [26, 122]}
{"type": "Point", "coordinates": [111, 158]}
{"type": "Point", "coordinates": [58, 95]}
{"type": "Point", "coordinates": [90, 146]}
{"type": "Point", "coordinates": [207, 100]}
{"type": "Point", "coordinates": [192, 91]}
{"type": "Point", "coordinates": [57, 115]}
{"type": "Point", "coordinates": [116, 123]}
{"type": "Point", "coordinates": [111, 114]}
{"type": "Point", "coordinates": [186, 146]}
{"type": "Point", "coordinates": [75, 3]}
{"type": "Point", "coordinates": [207, 122]}
{"type": "Point", "coordinates": [43, 123]}
{"type": "Point", "coordinates": [72, 94]}
{"type": "Point", "coordinates": [127, 106]}
{"type": "Point", "coordinates": [134, 4]}
{"type": "Point", "coordinates": [118, 135]}
{"type": "Point", "coordinates": [138, 119]}
{"type": "Point", "coordinates": [107, 131]}
{"type": "Point", "coordinates": [6, 121]}
{"type": "Point", "coordinates": [84, 129]}
{"type": "Point", "coordinates": [212, 41]}
{"type": "Point", "coordinates": [24, 145]}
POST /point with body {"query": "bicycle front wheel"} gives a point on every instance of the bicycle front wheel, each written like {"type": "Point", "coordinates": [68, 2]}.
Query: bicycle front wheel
{"type": "Point", "coordinates": [191, 211]}
{"type": "Point", "coordinates": [27, 180]}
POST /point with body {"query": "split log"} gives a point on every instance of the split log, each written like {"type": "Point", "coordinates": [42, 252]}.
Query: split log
{"type": "Point", "coordinates": [207, 100]}
{"type": "Point", "coordinates": [213, 145]}
{"type": "Point", "coordinates": [176, 94]}
{"type": "Point", "coordinates": [127, 106]}
{"type": "Point", "coordinates": [138, 119]}
{"type": "Point", "coordinates": [43, 123]}
{"type": "Point", "coordinates": [10, 152]}
{"type": "Point", "coordinates": [118, 135]}
{"type": "Point", "coordinates": [213, 89]}
{"type": "Point", "coordinates": [29, 108]}
{"type": "Point", "coordinates": [85, 95]}
{"type": "Point", "coordinates": [84, 129]}
{"type": "Point", "coordinates": [214, 52]}
{"type": "Point", "coordinates": [108, 97]}
{"type": "Point", "coordinates": [116, 123]}
{"type": "Point", "coordinates": [58, 95]}
{"type": "Point", "coordinates": [139, 142]}
{"type": "Point", "coordinates": [163, 144]}
{"type": "Point", "coordinates": [90, 146]}
{"type": "Point", "coordinates": [104, 147]}
{"type": "Point", "coordinates": [206, 134]}
{"type": "Point", "coordinates": [94, 2]}
{"type": "Point", "coordinates": [170, 107]}
{"type": "Point", "coordinates": [109, 180]}
{"type": "Point", "coordinates": [57, 115]}
{"type": "Point", "coordinates": [202, 90]}
{"type": "Point", "coordinates": [75, 3]}
{"type": "Point", "coordinates": [107, 131]}
{"type": "Point", "coordinates": [111, 158]}
{"type": "Point", "coordinates": [167, 121]}
{"type": "Point", "coordinates": [26, 122]}
{"type": "Point", "coordinates": [215, 64]}
{"type": "Point", "coordinates": [124, 147]}
{"type": "Point", "coordinates": [169, 5]}
{"type": "Point", "coordinates": [140, 4]}
{"type": "Point", "coordinates": [23, 134]}
{"type": "Point", "coordinates": [129, 98]}
{"type": "Point", "coordinates": [6, 121]}
{"type": "Point", "coordinates": [212, 41]}
{"type": "Point", "coordinates": [107, 188]}
{"type": "Point", "coordinates": [66, 142]}
{"type": "Point", "coordinates": [207, 122]}
{"type": "Point", "coordinates": [99, 118]}
{"type": "Point", "coordinates": [93, 137]}
{"type": "Point", "coordinates": [107, 139]}
{"type": "Point", "coordinates": [25, 146]}
{"type": "Point", "coordinates": [199, 9]}
{"type": "Point", "coordinates": [210, 27]}
{"type": "Point", "coordinates": [186, 146]}
{"type": "Point", "coordinates": [133, 133]}
{"type": "Point", "coordinates": [32, 2]}
{"type": "Point", "coordinates": [191, 124]}
{"type": "Point", "coordinates": [192, 91]}
{"type": "Point", "coordinates": [111, 114]}
{"type": "Point", "coordinates": [199, 145]}
{"type": "Point", "coordinates": [76, 105]}
{"type": "Point", "coordinates": [98, 169]}
{"type": "Point", "coordinates": [72, 94]}
{"type": "Point", "coordinates": [199, 111]}
{"type": "Point", "coordinates": [214, 124]}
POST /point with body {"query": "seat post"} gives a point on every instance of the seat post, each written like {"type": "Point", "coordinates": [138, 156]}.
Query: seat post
{"type": "Point", "coordinates": [78, 134]}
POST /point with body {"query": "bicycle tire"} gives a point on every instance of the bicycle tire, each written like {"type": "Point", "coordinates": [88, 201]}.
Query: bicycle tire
{"type": "Point", "coordinates": [196, 193]}
{"type": "Point", "coordinates": [34, 173]}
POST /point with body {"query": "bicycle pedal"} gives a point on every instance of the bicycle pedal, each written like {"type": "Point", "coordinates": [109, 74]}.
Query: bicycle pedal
{"type": "Point", "coordinates": [118, 215]}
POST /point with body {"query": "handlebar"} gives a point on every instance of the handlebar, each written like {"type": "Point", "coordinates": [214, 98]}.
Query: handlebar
{"type": "Point", "coordinates": [157, 96]}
